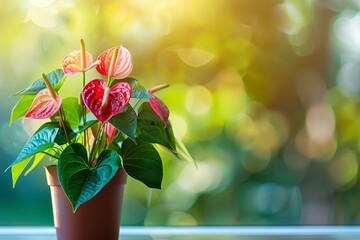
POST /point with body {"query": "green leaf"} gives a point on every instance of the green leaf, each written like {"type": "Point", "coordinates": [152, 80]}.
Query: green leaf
{"type": "Point", "coordinates": [73, 111]}
{"type": "Point", "coordinates": [138, 91]}
{"type": "Point", "coordinates": [147, 113]}
{"type": "Point", "coordinates": [153, 134]}
{"type": "Point", "coordinates": [55, 77]}
{"type": "Point", "coordinates": [37, 159]}
{"type": "Point", "coordinates": [151, 128]}
{"type": "Point", "coordinates": [60, 136]}
{"type": "Point", "coordinates": [79, 181]}
{"type": "Point", "coordinates": [114, 146]}
{"type": "Point", "coordinates": [142, 162]}
{"type": "Point", "coordinates": [87, 125]}
{"type": "Point", "coordinates": [21, 107]}
{"type": "Point", "coordinates": [170, 135]}
{"type": "Point", "coordinates": [39, 142]}
{"type": "Point", "coordinates": [18, 168]}
{"type": "Point", "coordinates": [181, 149]}
{"type": "Point", "coordinates": [126, 122]}
{"type": "Point", "coordinates": [78, 149]}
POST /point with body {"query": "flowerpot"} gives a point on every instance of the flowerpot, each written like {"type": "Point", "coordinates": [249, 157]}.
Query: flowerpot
{"type": "Point", "coordinates": [97, 219]}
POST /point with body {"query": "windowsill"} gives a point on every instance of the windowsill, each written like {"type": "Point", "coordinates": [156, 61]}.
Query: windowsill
{"type": "Point", "coordinates": [218, 232]}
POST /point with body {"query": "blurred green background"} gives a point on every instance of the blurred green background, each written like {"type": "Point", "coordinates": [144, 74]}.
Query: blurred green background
{"type": "Point", "coordinates": [265, 94]}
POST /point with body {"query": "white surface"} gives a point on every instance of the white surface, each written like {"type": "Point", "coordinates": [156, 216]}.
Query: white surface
{"type": "Point", "coordinates": [211, 232]}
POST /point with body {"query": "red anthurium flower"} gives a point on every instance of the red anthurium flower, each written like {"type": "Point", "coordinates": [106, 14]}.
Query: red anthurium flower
{"type": "Point", "coordinates": [73, 62]}
{"type": "Point", "coordinates": [105, 102]}
{"type": "Point", "coordinates": [122, 66]}
{"type": "Point", "coordinates": [159, 108]}
{"type": "Point", "coordinates": [44, 105]}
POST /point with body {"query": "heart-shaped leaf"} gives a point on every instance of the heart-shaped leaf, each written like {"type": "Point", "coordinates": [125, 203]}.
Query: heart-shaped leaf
{"type": "Point", "coordinates": [116, 98]}
{"type": "Point", "coordinates": [126, 122]}
{"type": "Point", "coordinates": [56, 78]}
{"type": "Point", "coordinates": [79, 181]}
{"type": "Point", "coordinates": [142, 162]}
{"type": "Point", "coordinates": [44, 105]}
{"type": "Point", "coordinates": [160, 108]}
{"type": "Point", "coordinates": [123, 64]}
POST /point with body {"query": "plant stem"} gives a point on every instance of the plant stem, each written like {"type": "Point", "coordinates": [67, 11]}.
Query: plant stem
{"type": "Point", "coordinates": [83, 111]}
{"type": "Point", "coordinates": [95, 145]}
{"type": "Point", "coordinates": [62, 115]}
{"type": "Point", "coordinates": [50, 155]}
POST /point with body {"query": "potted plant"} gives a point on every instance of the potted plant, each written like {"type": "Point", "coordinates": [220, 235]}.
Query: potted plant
{"type": "Point", "coordinates": [113, 129]}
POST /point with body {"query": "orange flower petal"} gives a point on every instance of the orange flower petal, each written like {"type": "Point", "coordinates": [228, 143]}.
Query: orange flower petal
{"type": "Point", "coordinates": [122, 67]}
{"type": "Point", "coordinates": [44, 105]}
{"type": "Point", "coordinates": [71, 63]}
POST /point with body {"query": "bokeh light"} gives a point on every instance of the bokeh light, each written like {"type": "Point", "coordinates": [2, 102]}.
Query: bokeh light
{"type": "Point", "coordinates": [265, 95]}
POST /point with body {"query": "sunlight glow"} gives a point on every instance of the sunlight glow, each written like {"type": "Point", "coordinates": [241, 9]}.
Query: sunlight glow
{"type": "Point", "coordinates": [198, 100]}
{"type": "Point", "coordinates": [195, 57]}
{"type": "Point", "coordinates": [320, 123]}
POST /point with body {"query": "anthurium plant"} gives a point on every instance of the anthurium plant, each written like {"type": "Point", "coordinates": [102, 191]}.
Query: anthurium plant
{"type": "Point", "coordinates": [114, 122]}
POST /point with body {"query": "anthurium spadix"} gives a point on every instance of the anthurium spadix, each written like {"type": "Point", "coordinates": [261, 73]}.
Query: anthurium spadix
{"type": "Point", "coordinates": [105, 102]}
{"type": "Point", "coordinates": [78, 60]}
{"type": "Point", "coordinates": [120, 68]}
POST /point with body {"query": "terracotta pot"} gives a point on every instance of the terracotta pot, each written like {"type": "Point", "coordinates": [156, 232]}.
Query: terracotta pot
{"type": "Point", "coordinates": [97, 219]}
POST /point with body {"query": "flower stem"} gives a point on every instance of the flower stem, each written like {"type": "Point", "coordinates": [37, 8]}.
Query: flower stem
{"type": "Point", "coordinates": [83, 111]}
{"type": "Point", "coordinates": [51, 155]}
{"type": "Point", "coordinates": [95, 145]}
{"type": "Point", "coordinates": [62, 115]}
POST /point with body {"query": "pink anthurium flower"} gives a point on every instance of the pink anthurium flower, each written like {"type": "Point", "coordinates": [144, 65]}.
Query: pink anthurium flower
{"type": "Point", "coordinates": [105, 102]}
{"type": "Point", "coordinates": [44, 105]}
{"type": "Point", "coordinates": [78, 60]}
{"type": "Point", "coordinates": [159, 108]}
{"type": "Point", "coordinates": [122, 65]}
